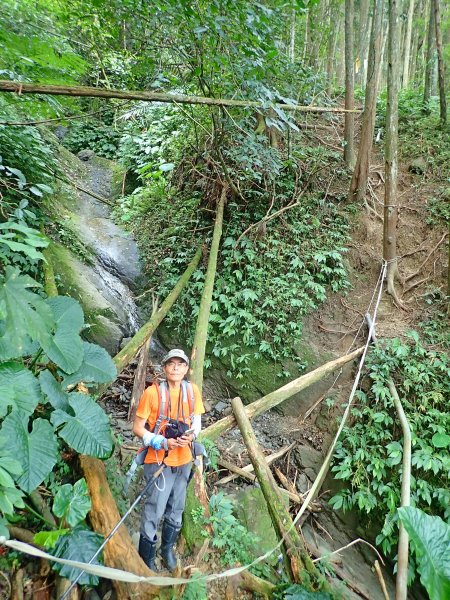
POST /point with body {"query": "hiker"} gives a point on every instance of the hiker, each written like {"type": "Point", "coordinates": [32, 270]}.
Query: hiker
{"type": "Point", "coordinates": [164, 413]}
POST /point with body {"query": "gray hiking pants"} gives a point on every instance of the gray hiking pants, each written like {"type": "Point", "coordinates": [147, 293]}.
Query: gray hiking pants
{"type": "Point", "coordinates": [166, 497]}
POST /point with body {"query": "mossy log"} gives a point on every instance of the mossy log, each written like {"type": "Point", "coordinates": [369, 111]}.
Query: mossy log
{"type": "Point", "coordinates": [298, 562]}
{"type": "Point", "coordinates": [119, 552]}
{"type": "Point", "coordinates": [274, 398]}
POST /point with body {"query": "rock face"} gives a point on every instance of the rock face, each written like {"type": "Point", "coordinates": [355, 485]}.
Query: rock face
{"type": "Point", "coordinates": [106, 265]}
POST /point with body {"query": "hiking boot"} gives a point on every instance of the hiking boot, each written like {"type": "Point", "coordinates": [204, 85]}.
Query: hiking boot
{"type": "Point", "coordinates": [169, 536]}
{"type": "Point", "coordinates": [147, 551]}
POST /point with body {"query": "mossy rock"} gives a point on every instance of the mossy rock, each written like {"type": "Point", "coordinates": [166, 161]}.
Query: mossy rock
{"type": "Point", "coordinates": [73, 278]}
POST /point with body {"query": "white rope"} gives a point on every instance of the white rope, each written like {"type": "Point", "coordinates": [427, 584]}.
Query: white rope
{"type": "Point", "coordinates": [119, 575]}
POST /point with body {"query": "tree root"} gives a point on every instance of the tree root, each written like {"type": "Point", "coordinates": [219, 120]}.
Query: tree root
{"type": "Point", "coordinates": [430, 254]}
{"type": "Point", "coordinates": [392, 275]}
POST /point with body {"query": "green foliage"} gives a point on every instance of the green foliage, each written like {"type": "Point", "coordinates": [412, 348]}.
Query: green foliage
{"type": "Point", "coordinates": [233, 541]}
{"type": "Point", "coordinates": [299, 592]}
{"type": "Point", "coordinates": [80, 545]}
{"type": "Point", "coordinates": [368, 457]}
{"type": "Point", "coordinates": [264, 286]}
{"type": "Point", "coordinates": [40, 345]}
{"type": "Point", "coordinates": [196, 590]}
{"type": "Point", "coordinates": [430, 537]}
{"type": "Point", "coordinates": [101, 139]}
{"type": "Point", "coordinates": [72, 502]}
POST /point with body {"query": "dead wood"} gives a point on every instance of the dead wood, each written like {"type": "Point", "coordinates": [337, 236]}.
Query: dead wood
{"type": "Point", "coordinates": [429, 255]}
{"type": "Point", "coordinates": [119, 552]}
{"type": "Point", "coordinates": [250, 582]}
{"type": "Point", "coordinates": [85, 91]}
{"type": "Point", "coordinates": [17, 585]}
{"type": "Point", "coordinates": [61, 587]}
{"type": "Point", "coordinates": [41, 506]}
{"type": "Point", "coordinates": [379, 573]}
{"type": "Point", "coordinates": [274, 398]}
{"type": "Point", "coordinates": [298, 562]}
{"type": "Point", "coordinates": [249, 468]}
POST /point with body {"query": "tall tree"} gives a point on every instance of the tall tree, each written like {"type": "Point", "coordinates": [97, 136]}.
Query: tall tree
{"type": "Point", "coordinates": [363, 39]}
{"type": "Point", "coordinates": [391, 151]}
{"type": "Point", "coordinates": [358, 185]}
{"type": "Point", "coordinates": [407, 46]}
{"type": "Point", "coordinates": [441, 76]}
{"type": "Point", "coordinates": [349, 129]}
{"type": "Point", "coordinates": [430, 56]}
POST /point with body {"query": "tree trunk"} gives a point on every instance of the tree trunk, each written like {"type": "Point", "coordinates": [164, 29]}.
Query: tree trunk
{"type": "Point", "coordinates": [119, 552]}
{"type": "Point", "coordinates": [358, 185]}
{"type": "Point", "coordinates": [298, 563]}
{"type": "Point", "coordinates": [274, 398]}
{"type": "Point", "coordinates": [362, 41]}
{"type": "Point", "coordinates": [139, 380]}
{"type": "Point", "coordinates": [84, 91]}
{"type": "Point", "coordinates": [349, 128]}
{"type": "Point", "coordinates": [292, 37]}
{"type": "Point", "coordinates": [201, 330]}
{"type": "Point", "coordinates": [430, 57]}
{"type": "Point", "coordinates": [441, 67]}
{"type": "Point", "coordinates": [391, 152]}
{"type": "Point", "coordinates": [335, 25]}
{"type": "Point", "coordinates": [406, 55]}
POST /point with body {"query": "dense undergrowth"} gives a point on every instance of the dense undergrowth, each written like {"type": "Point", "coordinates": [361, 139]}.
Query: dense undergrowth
{"type": "Point", "coordinates": [269, 277]}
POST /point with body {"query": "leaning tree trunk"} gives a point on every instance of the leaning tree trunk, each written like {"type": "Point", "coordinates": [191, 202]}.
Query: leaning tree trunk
{"type": "Point", "coordinates": [406, 55]}
{"type": "Point", "coordinates": [358, 185]}
{"type": "Point", "coordinates": [349, 128]}
{"type": "Point", "coordinates": [391, 152]}
{"type": "Point", "coordinates": [441, 76]}
{"type": "Point", "coordinates": [430, 58]}
{"type": "Point", "coordinates": [298, 561]}
{"type": "Point", "coordinates": [201, 331]}
{"type": "Point", "coordinates": [276, 397]}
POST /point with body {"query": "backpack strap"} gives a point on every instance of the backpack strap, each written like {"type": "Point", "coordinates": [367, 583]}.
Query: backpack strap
{"type": "Point", "coordinates": [163, 393]}
{"type": "Point", "coordinates": [187, 392]}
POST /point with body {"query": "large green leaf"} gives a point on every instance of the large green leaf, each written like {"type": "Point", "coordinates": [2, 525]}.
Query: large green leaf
{"type": "Point", "coordinates": [57, 397]}
{"type": "Point", "coordinates": [87, 432]}
{"type": "Point", "coordinates": [81, 545]}
{"type": "Point", "coordinates": [37, 452]}
{"type": "Point", "coordinates": [24, 313]}
{"type": "Point", "coordinates": [65, 347]}
{"type": "Point", "coordinates": [72, 502]}
{"type": "Point", "coordinates": [431, 539]}
{"type": "Point", "coordinates": [18, 388]}
{"type": "Point", "coordinates": [97, 366]}
{"type": "Point", "coordinates": [49, 538]}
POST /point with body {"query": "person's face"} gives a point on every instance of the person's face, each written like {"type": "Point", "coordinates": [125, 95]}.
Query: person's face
{"type": "Point", "coordinates": [175, 370]}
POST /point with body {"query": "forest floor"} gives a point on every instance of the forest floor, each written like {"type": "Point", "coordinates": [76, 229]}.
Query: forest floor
{"type": "Point", "coordinates": [335, 326]}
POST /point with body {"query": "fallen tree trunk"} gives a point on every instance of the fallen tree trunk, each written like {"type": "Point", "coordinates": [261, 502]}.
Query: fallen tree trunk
{"type": "Point", "coordinates": [84, 91]}
{"type": "Point", "coordinates": [251, 477]}
{"type": "Point", "coordinates": [126, 355]}
{"type": "Point", "coordinates": [249, 468]}
{"type": "Point", "coordinates": [274, 398]}
{"type": "Point", "coordinates": [298, 562]}
{"type": "Point", "coordinates": [119, 552]}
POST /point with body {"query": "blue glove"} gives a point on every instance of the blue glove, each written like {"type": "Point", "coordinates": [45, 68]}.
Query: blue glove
{"type": "Point", "coordinates": [158, 442]}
